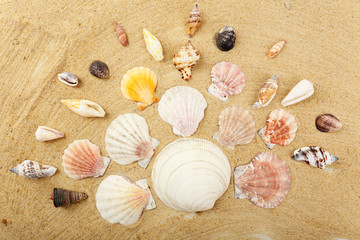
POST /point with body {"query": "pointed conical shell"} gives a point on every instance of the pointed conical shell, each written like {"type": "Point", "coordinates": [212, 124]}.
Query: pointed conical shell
{"type": "Point", "coordinates": [328, 123]}
{"type": "Point", "coordinates": [194, 21]}
{"type": "Point", "coordinates": [301, 91]}
{"type": "Point", "coordinates": [315, 156]}
{"type": "Point", "coordinates": [84, 108]}
{"type": "Point", "coordinates": [267, 92]}
{"type": "Point", "coordinates": [227, 79]}
{"type": "Point", "coordinates": [153, 45]}
{"type": "Point", "coordinates": [275, 50]}
{"type": "Point", "coordinates": [119, 200]}
{"type": "Point", "coordinates": [236, 127]}
{"type": "Point", "coordinates": [82, 159]}
{"type": "Point", "coordinates": [33, 170]}
{"type": "Point", "coordinates": [185, 59]}
{"type": "Point", "coordinates": [225, 38]}
{"type": "Point", "coordinates": [138, 84]}
{"type": "Point", "coordinates": [121, 35]}
{"type": "Point", "coordinates": [183, 108]}
{"type": "Point", "coordinates": [265, 180]}
{"type": "Point", "coordinates": [62, 197]}
{"type": "Point", "coordinates": [44, 133]}
{"type": "Point", "coordinates": [128, 140]}
{"type": "Point", "coordinates": [280, 128]}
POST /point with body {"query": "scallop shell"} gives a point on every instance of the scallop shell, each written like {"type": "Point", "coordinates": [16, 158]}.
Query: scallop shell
{"type": "Point", "coordinates": [328, 123]}
{"type": "Point", "coordinates": [33, 170]}
{"type": "Point", "coordinates": [128, 140]}
{"type": "Point", "coordinates": [275, 50]}
{"type": "Point", "coordinates": [225, 38]}
{"type": "Point", "coordinates": [82, 159]}
{"type": "Point", "coordinates": [280, 129]}
{"type": "Point", "coordinates": [227, 79]}
{"type": "Point", "coordinates": [62, 197]}
{"type": "Point", "coordinates": [119, 200]}
{"type": "Point", "coordinates": [84, 108]}
{"type": "Point", "coordinates": [121, 35]}
{"type": "Point", "coordinates": [190, 174]}
{"type": "Point", "coordinates": [68, 78]}
{"type": "Point", "coordinates": [265, 180]}
{"type": "Point", "coordinates": [138, 84]}
{"type": "Point", "coordinates": [185, 59]}
{"type": "Point", "coordinates": [301, 91]}
{"type": "Point", "coordinates": [153, 45]}
{"type": "Point", "coordinates": [267, 92]}
{"type": "Point", "coordinates": [315, 156]}
{"type": "Point", "coordinates": [236, 127]}
{"type": "Point", "coordinates": [194, 21]}
{"type": "Point", "coordinates": [99, 69]}
{"type": "Point", "coordinates": [44, 133]}
{"type": "Point", "coordinates": [183, 108]}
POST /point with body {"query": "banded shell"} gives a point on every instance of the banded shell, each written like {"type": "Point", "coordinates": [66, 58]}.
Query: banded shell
{"type": "Point", "coordinates": [68, 78]}
{"type": "Point", "coordinates": [183, 108]}
{"type": "Point", "coordinates": [194, 21]}
{"type": "Point", "coordinates": [314, 156]}
{"type": "Point", "coordinates": [328, 123]}
{"type": "Point", "coordinates": [227, 79]}
{"type": "Point", "coordinates": [185, 59]}
{"type": "Point", "coordinates": [265, 180]}
{"type": "Point", "coordinates": [121, 35]}
{"type": "Point", "coordinates": [82, 159]}
{"type": "Point", "coordinates": [236, 127]}
{"type": "Point", "coordinates": [267, 92]}
{"type": "Point", "coordinates": [301, 91]}
{"type": "Point", "coordinates": [44, 133]}
{"type": "Point", "coordinates": [280, 129]}
{"type": "Point", "coordinates": [33, 170]}
{"type": "Point", "coordinates": [128, 140]}
{"type": "Point", "coordinates": [84, 108]}
{"type": "Point", "coordinates": [225, 38]}
{"type": "Point", "coordinates": [62, 197]}
{"type": "Point", "coordinates": [153, 45]}
{"type": "Point", "coordinates": [275, 50]}
{"type": "Point", "coordinates": [119, 200]}
{"type": "Point", "coordinates": [138, 84]}
{"type": "Point", "coordinates": [99, 69]}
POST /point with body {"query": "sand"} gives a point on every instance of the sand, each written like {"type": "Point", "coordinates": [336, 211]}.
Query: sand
{"type": "Point", "coordinates": [43, 38]}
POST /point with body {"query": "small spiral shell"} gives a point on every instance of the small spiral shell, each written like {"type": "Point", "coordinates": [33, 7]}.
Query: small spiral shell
{"type": "Point", "coordinates": [62, 197]}
{"type": "Point", "coordinates": [121, 35]}
{"type": "Point", "coordinates": [275, 50]}
{"type": "Point", "coordinates": [193, 21]}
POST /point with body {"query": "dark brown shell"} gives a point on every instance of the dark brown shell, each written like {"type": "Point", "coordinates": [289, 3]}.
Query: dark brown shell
{"type": "Point", "coordinates": [99, 69]}
{"type": "Point", "coordinates": [62, 197]}
{"type": "Point", "coordinates": [225, 38]}
{"type": "Point", "coordinates": [328, 123]}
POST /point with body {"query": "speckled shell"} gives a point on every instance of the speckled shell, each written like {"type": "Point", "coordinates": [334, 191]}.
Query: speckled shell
{"type": "Point", "coordinates": [153, 45]}
{"type": "Point", "coordinates": [328, 123]}
{"type": "Point", "coordinates": [62, 197]}
{"type": "Point", "coordinates": [33, 170]}
{"type": "Point", "coordinates": [314, 156]}
{"type": "Point", "coordinates": [275, 50]}
{"type": "Point", "coordinates": [99, 69]}
{"type": "Point", "coordinates": [267, 92]}
{"type": "Point", "coordinates": [194, 21]}
{"type": "Point", "coordinates": [265, 180]}
{"type": "Point", "coordinates": [185, 59]}
{"type": "Point", "coordinates": [121, 35]}
{"type": "Point", "coordinates": [225, 38]}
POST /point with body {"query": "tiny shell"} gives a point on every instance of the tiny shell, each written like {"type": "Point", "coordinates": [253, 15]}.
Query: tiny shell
{"type": "Point", "coordinates": [68, 78]}
{"type": "Point", "coordinates": [328, 123]}
{"type": "Point", "coordinates": [185, 59]}
{"type": "Point", "coordinates": [267, 92]}
{"type": "Point", "coordinates": [153, 45]}
{"type": "Point", "coordinates": [99, 69]}
{"type": "Point", "coordinates": [301, 91]}
{"type": "Point", "coordinates": [194, 21]}
{"type": "Point", "coordinates": [44, 133]}
{"type": "Point", "coordinates": [225, 38]}
{"type": "Point", "coordinates": [275, 50]}
{"type": "Point", "coordinates": [33, 170]}
{"type": "Point", "coordinates": [84, 108]}
{"type": "Point", "coordinates": [121, 35]}
{"type": "Point", "coordinates": [315, 156]}
{"type": "Point", "coordinates": [62, 197]}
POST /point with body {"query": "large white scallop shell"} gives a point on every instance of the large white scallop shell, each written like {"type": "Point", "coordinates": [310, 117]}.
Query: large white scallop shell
{"type": "Point", "coordinates": [183, 108]}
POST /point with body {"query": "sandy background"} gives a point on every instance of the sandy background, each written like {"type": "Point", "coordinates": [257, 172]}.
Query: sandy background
{"type": "Point", "coordinates": [40, 39]}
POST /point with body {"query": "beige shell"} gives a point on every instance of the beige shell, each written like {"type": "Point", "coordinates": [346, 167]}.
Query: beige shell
{"type": "Point", "coordinates": [185, 59]}
{"type": "Point", "coordinates": [84, 108]}
{"type": "Point", "coordinates": [267, 92]}
{"type": "Point", "coordinates": [194, 21]}
{"type": "Point", "coordinates": [44, 133]}
{"type": "Point", "coordinates": [33, 170]}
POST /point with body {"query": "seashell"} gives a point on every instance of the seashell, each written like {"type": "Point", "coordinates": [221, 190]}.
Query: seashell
{"type": "Point", "coordinates": [275, 50]}
{"type": "Point", "coordinates": [99, 69]}
{"type": "Point", "coordinates": [84, 108]}
{"type": "Point", "coordinates": [265, 180]}
{"type": "Point", "coordinates": [121, 35]}
{"type": "Point", "coordinates": [328, 123]}
{"type": "Point", "coordinates": [280, 129]}
{"type": "Point", "coordinates": [44, 133]}
{"type": "Point", "coordinates": [128, 140]}
{"type": "Point", "coordinates": [315, 156]}
{"type": "Point", "coordinates": [190, 174]}
{"type": "Point", "coordinates": [68, 78]}
{"type": "Point", "coordinates": [267, 92]}
{"type": "Point", "coordinates": [62, 197]}
{"type": "Point", "coordinates": [185, 59]}
{"type": "Point", "coordinates": [33, 170]}
{"type": "Point", "coordinates": [138, 84]}
{"type": "Point", "coordinates": [82, 159]}
{"type": "Point", "coordinates": [236, 127]}
{"type": "Point", "coordinates": [119, 200]}
{"type": "Point", "coordinates": [301, 91]}
{"type": "Point", "coordinates": [153, 45]}
{"type": "Point", "coordinates": [183, 108]}
{"type": "Point", "coordinates": [227, 79]}
{"type": "Point", "coordinates": [194, 21]}
{"type": "Point", "coordinates": [225, 38]}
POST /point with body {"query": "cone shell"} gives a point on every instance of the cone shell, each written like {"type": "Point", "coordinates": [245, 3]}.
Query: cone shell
{"type": "Point", "coordinates": [44, 133]}
{"type": "Point", "coordinates": [194, 21]}
{"type": "Point", "coordinates": [236, 127]}
{"type": "Point", "coordinates": [82, 159]}
{"type": "Point", "coordinates": [315, 156]}
{"type": "Point", "coordinates": [84, 108]}
{"type": "Point", "coordinates": [62, 197]}
{"type": "Point", "coordinates": [227, 79]}
{"type": "Point", "coordinates": [138, 84]}
{"type": "Point", "coordinates": [33, 170]}
{"type": "Point", "coordinates": [265, 180]}
{"type": "Point", "coordinates": [328, 123]}
{"type": "Point", "coordinates": [185, 59]}
{"type": "Point", "coordinates": [128, 140]}
{"type": "Point", "coordinates": [119, 200]}
{"type": "Point", "coordinates": [121, 35]}
{"type": "Point", "coordinates": [267, 92]}
{"type": "Point", "coordinates": [153, 45]}
{"type": "Point", "coordinates": [301, 91]}
{"type": "Point", "coordinates": [99, 69]}
{"type": "Point", "coordinates": [225, 38]}
{"type": "Point", "coordinates": [183, 108]}
{"type": "Point", "coordinates": [275, 50]}
{"type": "Point", "coordinates": [280, 129]}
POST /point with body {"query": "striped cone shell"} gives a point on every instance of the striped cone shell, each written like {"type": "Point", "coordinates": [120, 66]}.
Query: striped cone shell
{"type": "Point", "coordinates": [121, 35]}
{"type": "Point", "coordinates": [62, 197]}
{"type": "Point", "coordinates": [275, 50]}
{"type": "Point", "coordinates": [193, 21]}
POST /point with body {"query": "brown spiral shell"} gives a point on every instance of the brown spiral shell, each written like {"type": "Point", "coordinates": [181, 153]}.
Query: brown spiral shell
{"type": "Point", "coordinates": [328, 123]}
{"type": "Point", "coordinates": [62, 197]}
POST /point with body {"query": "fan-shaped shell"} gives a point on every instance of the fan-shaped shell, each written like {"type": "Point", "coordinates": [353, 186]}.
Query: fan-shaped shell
{"type": "Point", "coordinates": [314, 156]}
{"type": "Point", "coordinates": [187, 57]}
{"type": "Point", "coordinates": [227, 79]}
{"type": "Point", "coordinates": [128, 140]}
{"type": "Point", "coordinates": [183, 108]}
{"type": "Point", "coordinates": [33, 170]}
{"type": "Point", "coordinates": [82, 159]}
{"type": "Point", "coordinates": [153, 45]}
{"type": "Point", "coordinates": [119, 200]}
{"type": "Point", "coordinates": [190, 175]}
{"type": "Point", "coordinates": [138, 84]}
{"type": "Point", "coordinates": [193, 21]}
{"type": "Point", "coordinates": [236, 127]}
{"type": "Point", "coordinates": [267, 92]}
{"type": "Point", "coordinates": [265, 180]}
